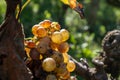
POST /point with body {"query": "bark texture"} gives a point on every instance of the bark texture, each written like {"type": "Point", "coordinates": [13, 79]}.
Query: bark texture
{"type": "Point", "coordinates": [12, 53]}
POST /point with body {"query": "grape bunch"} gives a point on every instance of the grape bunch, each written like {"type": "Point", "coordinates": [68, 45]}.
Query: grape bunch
{"type": "Point", "coordinates": [47, 52]}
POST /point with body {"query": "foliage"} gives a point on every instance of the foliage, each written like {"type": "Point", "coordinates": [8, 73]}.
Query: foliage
{"type": "Point", "coordinates": [2, 10]}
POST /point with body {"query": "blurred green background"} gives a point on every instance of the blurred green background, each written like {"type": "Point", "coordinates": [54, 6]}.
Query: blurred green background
{"type": "Point", "coordinates": [85, 34]}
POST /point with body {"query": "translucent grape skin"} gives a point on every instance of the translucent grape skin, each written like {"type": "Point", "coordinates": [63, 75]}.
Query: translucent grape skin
{"type": "Point", "coordinates": [43, 45]}
{"type": "Point", "coordinates": [30, 44]}
{"type": "Point", "coordinates": [54, 46]}
{"type": "Point", "coordinates": [48, 64]}
{"type": "Point", "coordinates": [57, 37]}
{"type": "Point", "coordinates": [57, 56]}
{"type": "Point", "coordinates": [34, 30]}
{"type": "Point", "coordinates": [61, 69]}
{"type": "Point", "coordinates": [63, 47]}
{"type": "Point", "coordinates": [65, 34]}
{"type": "Point", "coordinates": [55, 25]}
{"type": "Point", "coordinates": [66, 75]}
{"type": "Point", "coordinates": [41, 32]}
{"type": "Point", "coordinates": [71, 66]}
{"type": "Point", "coordinates": [45, 23]}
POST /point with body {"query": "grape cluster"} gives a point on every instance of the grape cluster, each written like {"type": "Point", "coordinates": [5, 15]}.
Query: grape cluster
{"type": "Point", "coordinates": [47, 52]}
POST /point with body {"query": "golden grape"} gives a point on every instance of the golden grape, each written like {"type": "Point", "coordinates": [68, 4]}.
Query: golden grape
{"type": "Point", "coordinates": [57, 56]}
{"type": "Point", "coordinates": [66, 75]}
{"type": "Point", "coordinates": [65, 34]}
{"type": "Point", "coordinates": [45, 23]}
{"type": "Point", "coordinates": [55, 25]}
{"type": "Point", "coordinates": [63, 47]}
{"type": "Point", "coordinates": [71, 66]}
{"type": "Point", "coordinates": [30, 44]}
{"type": "Point", "coordinates": [54, 46]}
{"type": "Point", "coordinates": [57, 37]}
{"type": "Point", "coordinates": [34, 30]}
{"type": "Point", "coordinates": [61, 69]}
{"type": "Point", "coordinates": [48, 64]}
{"type": "Point", "coordinates": [43, 45]}
{"type": "Point", "coordinates": [41, 32]}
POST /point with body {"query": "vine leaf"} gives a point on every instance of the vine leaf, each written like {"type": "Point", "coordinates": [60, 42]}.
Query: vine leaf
{"type": "Point", "coordinates": [76, 6]}
{"type": "Point", "coordinates": [65, 2]}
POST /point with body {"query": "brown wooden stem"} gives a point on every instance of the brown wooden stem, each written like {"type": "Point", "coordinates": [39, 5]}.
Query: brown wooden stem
{"type": "Point", "coordinates": [12, 66]}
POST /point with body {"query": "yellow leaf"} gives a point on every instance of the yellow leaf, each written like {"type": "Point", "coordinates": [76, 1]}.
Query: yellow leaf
{"type": "Point", "coordinates": [65, 2]}
{"type": "Point", "coordinates": [73, 3]}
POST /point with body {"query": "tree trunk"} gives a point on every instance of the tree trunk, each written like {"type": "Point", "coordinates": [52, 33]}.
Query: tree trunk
{"type": "Point", "coordinates": [12, 53]}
